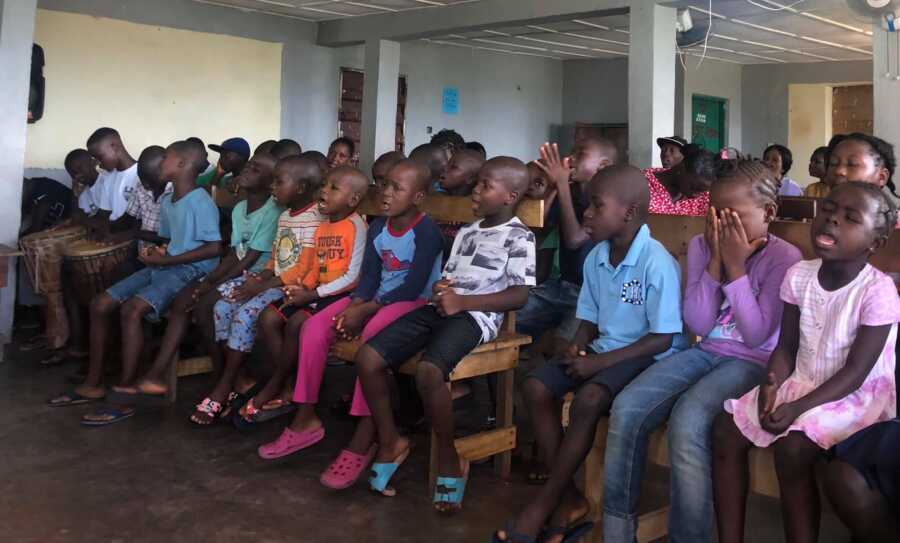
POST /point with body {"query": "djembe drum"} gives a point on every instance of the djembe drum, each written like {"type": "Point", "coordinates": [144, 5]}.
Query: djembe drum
{"type": "Point", "coordinates": [94, 267]}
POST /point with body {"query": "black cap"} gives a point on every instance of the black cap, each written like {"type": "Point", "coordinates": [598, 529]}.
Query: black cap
{"type": "Point", "coordinates": [677, 141]}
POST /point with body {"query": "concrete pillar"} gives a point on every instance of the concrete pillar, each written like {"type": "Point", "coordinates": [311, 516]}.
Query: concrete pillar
{"type": "Point", "coordinates": [886, 83]}
{"type": "Point", "coordinates": [16, 35]}
{"type": "Point", "coordinates": [379, 114]}
{"type": "Point", "coordinates": [651, 80]}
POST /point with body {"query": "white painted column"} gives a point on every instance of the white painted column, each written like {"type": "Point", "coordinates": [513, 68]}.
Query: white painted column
{"type": "Point", "coordinates": [651, 80]}
{"type": "Point", "coordinates": [16, 35]}
{"type": "Point", "coordinates": [379, 112]}
{"type": "Point", "coordinates": [886, 92]}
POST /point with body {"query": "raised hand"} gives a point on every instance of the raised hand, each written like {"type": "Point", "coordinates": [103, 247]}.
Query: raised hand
{"type": "Point", "coordinates": [734, 245]}
{"type": "Point", "coordinates": [558, 169]}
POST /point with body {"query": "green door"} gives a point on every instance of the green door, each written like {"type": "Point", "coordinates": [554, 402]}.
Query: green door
{"type": "Point", "coordinates": [708, 122]}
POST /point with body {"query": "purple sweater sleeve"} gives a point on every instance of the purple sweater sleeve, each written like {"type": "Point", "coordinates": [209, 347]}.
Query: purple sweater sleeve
{"type": "Point", "coordinates": [758, 316]}
{"type": "Point", "coordinates": [702, 295]}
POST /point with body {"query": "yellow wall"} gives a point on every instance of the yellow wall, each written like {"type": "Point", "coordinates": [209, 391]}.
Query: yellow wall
{"type": "Point", "coordinates": [809, 126]}
{"type": "Point", "coordinates": [153, 84]}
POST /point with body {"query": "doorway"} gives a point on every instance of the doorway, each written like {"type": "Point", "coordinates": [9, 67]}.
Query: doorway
{"type": "Point", "coordinates": [350, 112]}
{"type": "Point", "coordinates": [708, 122]}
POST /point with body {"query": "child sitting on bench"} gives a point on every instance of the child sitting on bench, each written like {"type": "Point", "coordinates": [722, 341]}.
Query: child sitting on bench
{"type": "Point", "coordinates": [861, 157]}
{"type": "Point", "coordinates": [629, 313]}
{"type": "Point", "coordinates": [491, 267]}
{"type": "Point", "coordinates": [832, 373]}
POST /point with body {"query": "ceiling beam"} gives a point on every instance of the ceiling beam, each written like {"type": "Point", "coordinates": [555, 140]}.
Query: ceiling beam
{"type": "Point", "coordinates": [426, 22]}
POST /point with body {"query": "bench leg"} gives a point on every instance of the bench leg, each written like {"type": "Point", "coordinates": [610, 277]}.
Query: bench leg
{"type": "Point", "coordinates": [172, 385]}
{"type": "Point", "coordinates": [505, 400]}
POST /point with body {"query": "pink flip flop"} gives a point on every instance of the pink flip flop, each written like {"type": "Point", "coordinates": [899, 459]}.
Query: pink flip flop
{"type": "Point", "coordinates": [290, 442]}
{"type": "Point", "coordinates": [346, 469]}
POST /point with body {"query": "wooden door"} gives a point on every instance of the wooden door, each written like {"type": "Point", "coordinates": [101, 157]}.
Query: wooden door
{"type": "Point", "coordinates": [350, 113]}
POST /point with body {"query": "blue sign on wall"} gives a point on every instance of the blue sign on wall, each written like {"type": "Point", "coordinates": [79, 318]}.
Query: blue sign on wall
{"type": "Point", "coordinates": [451, 100]}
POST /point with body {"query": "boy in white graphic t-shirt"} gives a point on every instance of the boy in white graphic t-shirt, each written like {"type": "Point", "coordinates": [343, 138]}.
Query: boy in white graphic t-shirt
{"type": "Point", "coordinates": [118, 177]}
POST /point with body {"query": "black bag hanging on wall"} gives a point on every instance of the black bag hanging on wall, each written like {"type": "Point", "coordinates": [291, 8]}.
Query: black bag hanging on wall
{"type": "Point", "coordinates": [36, 85]}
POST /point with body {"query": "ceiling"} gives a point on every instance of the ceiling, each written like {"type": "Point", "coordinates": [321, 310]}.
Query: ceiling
{"type": "Point", "coordinates": [741, 32]}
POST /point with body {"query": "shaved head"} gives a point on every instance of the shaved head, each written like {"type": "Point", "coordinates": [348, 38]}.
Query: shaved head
{"type": "Point", "coordinates": [627, 183]}
{"type": "Point", "coordinates": [409, 166]}
{"type": "Point", "coordinates": [357, 180]}
{"type": "Point", "coordinates": [468, 159]}
{"type": "Point", "coordinates": [606, 148]}
{"type": "Point", "coordinates": [512, 172]}
{"type": "Point", "coordinates": [301, 168]}
{"type": "Point", "coordinates": [389, 159]}
{"type": "Point", "coordinates": [190, 153]}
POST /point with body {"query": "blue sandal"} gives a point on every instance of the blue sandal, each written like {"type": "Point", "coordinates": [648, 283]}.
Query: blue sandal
{"type": "Point", "coordinates": [382, 473]}
{"type": "Point", "coordinates": [451, 490]}
{"type": "Point", "coordinates": [115, 415]}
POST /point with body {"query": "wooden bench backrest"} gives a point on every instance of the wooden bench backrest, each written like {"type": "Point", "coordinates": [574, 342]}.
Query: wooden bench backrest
{"type": "Point", "coordinates": [675, 233]}
{"type": "Point", "coordinates": [797, 208]}
{"type": "Point", "coordinates": [458, 209]}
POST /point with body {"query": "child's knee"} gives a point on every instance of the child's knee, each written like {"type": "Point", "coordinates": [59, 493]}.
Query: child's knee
{"type": "Point", "coordinates": [429, 377]}
{"type": "Point", "coordinates": [295, 323]}
{"type": "Point", "coordinates": [368, 361]}
{"type": "Point", "coordinates": [794, 455]}
{"type": "Point", "coordinates": [134, 309]}
{"type": "Point", "coordinates": [535, 391]}
{"type": "Point", "coordinates": [726, 436]}
{"type": "Point", "coordinates": [591, 402]}
{"type": "Point", "coordinates": [841, 480]}
{"type": "Point", "coordinates": [103, 304]}
{"type": "Point", "coordinates": [270, 320]}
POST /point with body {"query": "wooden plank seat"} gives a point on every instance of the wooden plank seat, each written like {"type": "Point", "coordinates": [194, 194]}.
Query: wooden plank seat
{"type": "Point", "coordinates": [499, 357]}
{"type": "Point", "coordinates": [675, 233]}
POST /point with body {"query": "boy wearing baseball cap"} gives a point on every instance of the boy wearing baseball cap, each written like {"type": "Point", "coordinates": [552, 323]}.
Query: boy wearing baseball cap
{"type": "Point", "coordinates": [233, 155]}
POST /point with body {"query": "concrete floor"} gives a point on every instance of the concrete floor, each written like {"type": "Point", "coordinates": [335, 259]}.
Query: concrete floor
{"type": "Point", "coordinates": [159, 478]}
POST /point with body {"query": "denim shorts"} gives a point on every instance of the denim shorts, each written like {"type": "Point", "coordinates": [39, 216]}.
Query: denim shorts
{"type": "Point", "coordinates": [614, 378]}
{"type": "Point", "coordinates": [156, 285]}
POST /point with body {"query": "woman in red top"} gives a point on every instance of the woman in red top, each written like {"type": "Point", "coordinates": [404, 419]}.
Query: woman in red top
{"type": "Point", "coordinates": [683, 189]}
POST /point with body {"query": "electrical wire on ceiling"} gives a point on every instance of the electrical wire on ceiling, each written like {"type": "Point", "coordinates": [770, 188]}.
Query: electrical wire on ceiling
{"type": "Point", "coordinates": [770, 8]}
{"type": "Point", "coordinates": [682, 54]}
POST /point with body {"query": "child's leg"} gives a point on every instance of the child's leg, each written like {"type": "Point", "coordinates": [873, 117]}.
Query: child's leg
{"type": "Point", "coordinates": [271, 327]}
{"type": "Point", "coordinates": [133, 313]}
{"type": "Point", "coordinates": [545, 410]}
{"type": "Point", "coordinates": [316, 337]}
{"type": "Point", "coordinates": [373, 378]}
{"type": "Point", "coordinates": [203, 317]}
{"type": "Point", "coordinates": [795, 459]}
{"type": "Point", "coordinates": [176, 326]}
{"type": "Point", "coordinates": [731, 478]}
{"type": "Point", "coordinates": [102, 307]}
{"type": "Point", "coordinates": [863, 509]}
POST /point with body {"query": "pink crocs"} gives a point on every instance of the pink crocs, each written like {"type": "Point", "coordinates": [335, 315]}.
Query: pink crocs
{"type": "Point", "coordinates": [290, 442]}
{"type": "Point", "coordinates": [346, 469]}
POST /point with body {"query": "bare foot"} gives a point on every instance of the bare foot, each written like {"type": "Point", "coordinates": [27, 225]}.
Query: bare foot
{"type": "Point", "coordinates": [388, 452]}
{"type": "Point", "coordinates": [90, 391]}
{"type": "Point", "coordinates": [144, 387]}
{"type": "Point", "coordinates": [461, 470]}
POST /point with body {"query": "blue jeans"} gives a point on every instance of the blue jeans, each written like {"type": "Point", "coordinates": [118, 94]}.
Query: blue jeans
{"type": "Point", "coordinates": [156, 285]}
{"type": "Point", "coordinates": [688, 389]}
{"type": "Point", "coordinates": [551, 304]}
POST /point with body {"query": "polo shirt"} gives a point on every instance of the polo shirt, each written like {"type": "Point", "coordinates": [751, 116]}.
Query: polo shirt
{"type": "Point", "coordinates": [641, 295]}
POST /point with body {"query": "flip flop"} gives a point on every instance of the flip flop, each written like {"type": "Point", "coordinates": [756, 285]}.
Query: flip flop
{"type": "Point", "coordinates": [512, 536]}
{"type": "Point", "coordinates": [382, 472]}
{"type": "Point", "coordinates": [208, 407]}
{"type": "Point", "coordinates": [55, 358]}
{"type": "Point", "coordinates": [571, 534]}
{"type": "Point", "coordinates": [140, 399]}
{"type": "Point", "coordinates": [117, 414]}
{"type": "Point", "coordinates": [36, 343]}
{"type": "Point", "coordinates": [451, 490]}
{"type": "Point", "coordinates": [71, 398]}
{"type": "Point", "coordinates": [290, 442]}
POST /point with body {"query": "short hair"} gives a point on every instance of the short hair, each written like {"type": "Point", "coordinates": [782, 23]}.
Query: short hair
{"type": "Point", "coordinates": [195, 139]}
{"type": "Point", "coordinates": [517, 179]}
{"type": "Point", "coordinates": [306, 166]}
{"type": "Point", "coordinates": [150, 158]}
{"type": "Point", "coordinates": [425, 152]}
{"type": "Point", "coordinates": [886, 218]}
{"type": "Point", "coordinates": [476, 146]}
{"type": "Point", "coordinates": [76, 155]}
{"type": "Point", "coordinates": [448, 138]}
{"type": "Point", "coordinates": [819, 151]}
{"type": "Point", "coordinates": [423, 174]}
{"type": "Point", "coordinates": [344, 141]}
{"type": "Point", "coordinates": [605, 145]}
{"type": "Point", "coordinates": [787, 158]}
{"type": "Point", "coordinates": [316, 156]}
{"type": "Point", "coordinates": [698, 161]}
{"type": "Point", "coordinates": [265, 147]}
{"type": "Point", "coordinates": [285, 148]}
{"type": "Point", "coordinates": [882, 151]}
{"type": "Point", "coordinates": [191, 152]}
{"type": "Point", "coordinates": [200, 148]}
{"type": "Point", "coordinates": [102, 134]}
{"type": "Point", "coordinates": [762, 182]}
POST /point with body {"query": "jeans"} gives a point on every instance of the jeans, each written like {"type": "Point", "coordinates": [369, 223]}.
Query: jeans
{"type": "Point", "coordinates": [550, 304]}
{"type": "Point", "coordinates": [688, 389]}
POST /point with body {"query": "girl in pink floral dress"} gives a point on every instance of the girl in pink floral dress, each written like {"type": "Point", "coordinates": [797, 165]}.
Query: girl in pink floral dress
{"type": "Point", "coordinates": [832, 372]}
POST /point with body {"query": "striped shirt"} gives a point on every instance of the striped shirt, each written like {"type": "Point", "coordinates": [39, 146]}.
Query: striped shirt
{"type": "Point", "coordinates": [292, 256]}
{"type": "Point", "coordinates": [145, 208]}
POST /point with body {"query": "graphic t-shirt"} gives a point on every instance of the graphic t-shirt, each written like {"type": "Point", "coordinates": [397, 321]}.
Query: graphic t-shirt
{"type": "Point", "coordinates": [292, 252]}
{"type": "Point", "coordinates": [400, 265]}
{"type": "Point", "coordinates": [57, 196]}
{"type": "Point", "coordinates": [116, 190]}
{"type": "Point", "coordinates": [339, 250]}
{"type": "Point", "coordinates": [490, 260]}
{"type": "Point", "coordinates": [254, 231]}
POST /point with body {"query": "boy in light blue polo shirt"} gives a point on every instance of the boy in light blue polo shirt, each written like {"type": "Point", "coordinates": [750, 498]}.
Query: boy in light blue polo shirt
{"type": "Point", "coordinates": [629, 312]}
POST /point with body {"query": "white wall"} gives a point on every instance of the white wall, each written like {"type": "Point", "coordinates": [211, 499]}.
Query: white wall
{"type": "Point", "coordinates": [809, 126]}
{"type": "Point", "coordinates": [511, 104]}
{"type": "Point", "coordinates": [719, 80]}
{"type": "Point", "coordinates": [766, 97]}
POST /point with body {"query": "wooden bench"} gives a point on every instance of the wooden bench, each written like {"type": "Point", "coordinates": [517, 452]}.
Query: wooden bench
{"type": "Point", "coordinates": [675, 233]}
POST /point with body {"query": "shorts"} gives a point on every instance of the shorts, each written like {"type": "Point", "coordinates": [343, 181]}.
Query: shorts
{"type": "Point", "coordinates": [873, 451]}
{"type": "Point", "coordinates": [614, 378]}
{"type": "Point", "coordinates": [288, 311]}
{"type": "Point", "coordinates": [156, 285]}
{"type": "Point", "coordinates": [236, 323]}
{"type": "Point", "coordinates": [445, 340]}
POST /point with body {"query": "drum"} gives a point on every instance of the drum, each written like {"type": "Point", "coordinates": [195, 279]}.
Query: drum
{"type": "Point", "coordinates": [42, 252]}
{"type": "Point", "coordinates": [94, 267]}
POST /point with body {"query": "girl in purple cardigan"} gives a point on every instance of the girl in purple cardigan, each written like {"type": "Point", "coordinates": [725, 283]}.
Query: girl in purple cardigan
{"type": "Point", "coordinates": [732, 301]}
